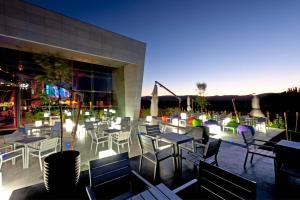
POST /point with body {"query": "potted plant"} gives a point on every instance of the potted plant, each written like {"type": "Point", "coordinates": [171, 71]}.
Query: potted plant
{"type": "Point", "coordinates": [61, 169]}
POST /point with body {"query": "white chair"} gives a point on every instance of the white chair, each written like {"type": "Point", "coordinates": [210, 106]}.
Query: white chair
{"type": "Point", "coordinates": [28, 128]}
{"type": "Point", "coordinates": [121, 138]}
{"type": "Point", "coordinates": [43, 149]}
{"type": "Point", "coordinates": [116, 123]}
{"type": "Point", "coordinates": [55, 132]}
{"type": "Point", "coordinates": [98, 139]}
{"type": "Point", "coordinates": [7, 153]}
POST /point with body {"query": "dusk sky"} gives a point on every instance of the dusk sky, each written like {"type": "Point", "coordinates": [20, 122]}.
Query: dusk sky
{"type": "Point", "coordinates": [235, 46]}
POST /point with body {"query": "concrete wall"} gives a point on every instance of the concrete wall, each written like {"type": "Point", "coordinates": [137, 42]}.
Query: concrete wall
{"type": "Point", "coordinates": [31, 28]}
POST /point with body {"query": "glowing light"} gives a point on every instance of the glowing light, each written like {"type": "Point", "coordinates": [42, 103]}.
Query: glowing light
{"type": "Point", "coordinates": [183, 115]}
{"type": "Point", "coordinates": [149, 119]}
{"type": "Point", "coordinates": [46, 114]}
{"type": "Point", "coordinates": [38, 123]}
{"type": "Point", "coordinates": [106, 153]}
{"type": "Point", "coordinates": [213, 128]}
{"type": "Point", "coordinates": [69, 125]}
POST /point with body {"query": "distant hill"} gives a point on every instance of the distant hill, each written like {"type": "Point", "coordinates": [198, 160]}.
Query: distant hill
{"type": "Point", "coordinates": [274, 102]}
{"type": "Point", "coordinates": [213, 98]}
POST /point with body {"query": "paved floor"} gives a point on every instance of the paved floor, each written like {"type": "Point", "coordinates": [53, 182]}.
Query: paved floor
{"type": "Point", "coordinates": [231, 158]}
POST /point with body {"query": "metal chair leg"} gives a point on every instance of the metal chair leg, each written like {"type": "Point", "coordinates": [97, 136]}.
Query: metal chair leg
{"type": "Point", "coordinates": [41, 164]}
{"type": "Point", "coordinates": [155, 167]}
{"type": "Point", "coordinates": [140, 166]}
{"type": "Point", "coordinates": [246, 160]}
{"type": "Point", "coordinates": [96, 148]}
{"type": "Point", "coordinates": [252, 158]}
{"type": "Point", "coordinates": [216, 161]}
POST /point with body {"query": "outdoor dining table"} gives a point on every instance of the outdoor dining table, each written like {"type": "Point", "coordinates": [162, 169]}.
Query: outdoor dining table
{"type": "Point", "coordinates": [42, 129]}
{"type": "Point", "coordinates": [176, 139]}
{"type": "Point", "coordinates": [26, 141]}
{"type": "Point", "coordinates": [161, 192]}
{"type": "Point", "coordinates": [110, 132]}
{"type": "Point", "coordinates": [286, 157]}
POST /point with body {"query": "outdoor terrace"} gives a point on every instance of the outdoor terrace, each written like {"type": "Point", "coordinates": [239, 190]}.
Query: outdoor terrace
{"type": "Point", "coordinates": [231, 157]}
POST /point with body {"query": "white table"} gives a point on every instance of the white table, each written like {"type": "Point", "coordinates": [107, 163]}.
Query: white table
{"type": "Point", "coordinates": [25, 142]}
{"type": "Point", "coordinates": [110, 132]}
{"type": "Point", "coordinates": [176, 139]}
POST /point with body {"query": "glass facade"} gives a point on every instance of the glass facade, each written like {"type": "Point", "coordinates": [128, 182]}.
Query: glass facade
{"type": "Point", "coordinates": [23, 99]}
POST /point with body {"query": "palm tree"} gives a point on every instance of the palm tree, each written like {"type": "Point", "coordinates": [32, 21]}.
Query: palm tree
{"type": "Point", "coordinates": [57, 72]}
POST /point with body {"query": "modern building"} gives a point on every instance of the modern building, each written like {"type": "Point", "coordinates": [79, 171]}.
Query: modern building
{"type": "Point", "coordinates": [107, 67]}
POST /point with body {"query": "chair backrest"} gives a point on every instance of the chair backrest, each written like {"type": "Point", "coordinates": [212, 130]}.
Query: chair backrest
{"type": "Point", "coordinates": [218, 183]}
{"type": "Point", "coordinates": [109, 169]}
{"type": "Point", "coordinates": [93, 135]}
{"type": "Point", "coordinates": [49, 144]}
{"type": "Point", "coordinates": [125, 121]}
{"type": "Point", "coordinates": [212, 148]}
{"type": "Point", "coordinates": [146, 144]}
{"type": "Point", "coordinates": [89, 125]}
{"type": "Point", "coordinates": [55, 131]}
{"type": "Point", "coordinates": [152, 130]}
{"type": "Point", "coordinates": [247, 132]}
{"type": "Point", "coordinates": [261, 120]}
{"type": "Point", "coordinates": [123, 135]}
{"type": "Point", "coordinates": [118, 120]}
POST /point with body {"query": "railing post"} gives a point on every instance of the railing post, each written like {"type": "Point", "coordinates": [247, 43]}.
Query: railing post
{"type": "Point", "coordinates": [286, 128]}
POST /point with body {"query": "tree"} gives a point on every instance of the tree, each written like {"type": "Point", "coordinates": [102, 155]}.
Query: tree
{"type": "Point", "coordinates": [57, 72]}
{"type": "Point", "coordinates": [201, 100]}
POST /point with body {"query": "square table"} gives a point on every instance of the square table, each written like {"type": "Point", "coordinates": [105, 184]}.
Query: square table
{"type": "Point", "coordinates": [25, 142]}
{"type": "Point", "coordinates": [110, 132]}
{"type": "Point", "coordinates": [176, 139]}
{"type": "Point", "coordinates": [286, 156]}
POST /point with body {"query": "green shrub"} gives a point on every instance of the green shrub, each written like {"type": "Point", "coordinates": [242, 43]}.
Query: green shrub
{"type": "Point", "coordinates": [277, 122]}
{"type": "Point", "coordinates": [233, 123]}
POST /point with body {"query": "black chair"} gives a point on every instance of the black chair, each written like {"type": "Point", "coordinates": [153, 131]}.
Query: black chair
{"type": "Point", "coordinates": [216, 183]}
{"type": "Point", "coordinates": [200, 152]}
{"type": "Point", "coordinates": [113, 172]}
{"type": "Point", "coordinates": [152, 153]}
{"type": "Point", "coordinates": [252, 146]}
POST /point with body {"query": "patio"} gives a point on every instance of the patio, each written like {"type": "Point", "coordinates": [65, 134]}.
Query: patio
{"type": "Point", "coordinates": [231, 158]}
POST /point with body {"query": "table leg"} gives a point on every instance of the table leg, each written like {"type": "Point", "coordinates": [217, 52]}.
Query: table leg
{"type": "Point", "coordinates": [110, 142]}
{"type": "Point", "coordinates": [26, 156]}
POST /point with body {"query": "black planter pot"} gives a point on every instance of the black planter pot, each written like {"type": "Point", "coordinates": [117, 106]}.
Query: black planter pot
{"type": "Point", "coordinates": [62, 171]}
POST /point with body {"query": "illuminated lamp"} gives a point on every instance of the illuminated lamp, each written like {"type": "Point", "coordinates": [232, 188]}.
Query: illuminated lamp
{"type": "Point", "coordinates": [197, 122]}
{"type": "Point", "coordinates": [69, 125]}
{"type": "Point", "coordinates": [46, 114]}
{"type": "Point", "coordinates": [92, 119]}
{"type": "Point", "coordinates": [149, 119]}
{"type": "Point", "coordinates": [190, 120]}
{"type": "Point", "coordinates": [38, 123]}
{"type": "Point", "coordinates": [183, 115]}
{"type": "Point", "coordinates": [164, 118]}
